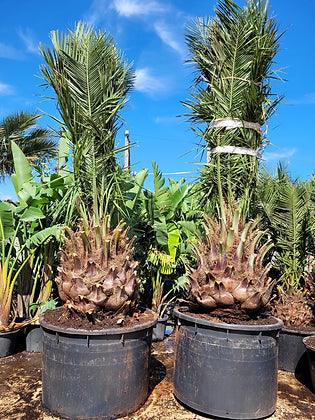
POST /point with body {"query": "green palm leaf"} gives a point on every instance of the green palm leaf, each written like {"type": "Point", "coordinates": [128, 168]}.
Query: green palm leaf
{"type": "Point", "coordinates": [37, 144]}
{"type": "Point", "coordinates": [233, 54]}
{"type": "Point", "coordinates": [91, 80]}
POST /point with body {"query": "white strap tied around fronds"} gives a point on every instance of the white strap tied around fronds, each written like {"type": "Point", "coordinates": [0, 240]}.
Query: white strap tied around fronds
{"type": "Point", "coordinates": [231, 123]}
{"type": "Point", "coordinates": [235, 150]}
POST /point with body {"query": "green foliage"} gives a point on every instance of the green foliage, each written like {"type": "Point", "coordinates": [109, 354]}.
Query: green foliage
{"type": "Point", "coordinates": [287, 211]}
{"type": "Point", "coordinates": [41, 307]}
{"type": "Point", "coordinates": [91, 81]}
{"type": "Point", "coordinates": [12, 261]}
{"type": "Point", "coordinates": [233, 54]}
{"type": "Point", "coordinates": [167, 226]}
{"type": "Point", "coordinates": [31, 223]}
{"type": "Point", "coordinates": [36, 143]}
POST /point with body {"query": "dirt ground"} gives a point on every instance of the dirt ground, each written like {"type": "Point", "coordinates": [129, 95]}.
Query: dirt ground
{"type": "Point", "coordinates": [20, 391]}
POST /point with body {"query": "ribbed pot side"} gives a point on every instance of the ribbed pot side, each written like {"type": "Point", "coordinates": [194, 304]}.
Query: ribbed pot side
{"type": "Point", "coordinates": [226, 370]}
{"type": "Point", "coordinates": [95, 374]}
{"type": "Point", "coordinates": [292, 352]}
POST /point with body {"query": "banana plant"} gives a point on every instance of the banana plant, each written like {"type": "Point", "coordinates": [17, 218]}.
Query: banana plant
{"type": "Point", "coordinates": [11, 265]}
{"type": "Point", "coordinates": [37, 229]}
{"type": "Point", "coordinates": [168, 227]}
{"type": "Point", "coordinates": [16, 253]}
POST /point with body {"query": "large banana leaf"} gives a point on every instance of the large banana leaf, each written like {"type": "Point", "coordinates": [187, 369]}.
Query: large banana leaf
{"type": "Point", "coordinates": [23, 170]}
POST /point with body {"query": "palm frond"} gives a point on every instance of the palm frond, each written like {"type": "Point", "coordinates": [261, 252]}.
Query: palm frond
{"type": "Point", "coordinates": [36, 143]}
{"type": "Point", "coordinates": [233, 54]}
{"type": "Point", "coordinates": [91, 80]}
{"type": "Point", "coordinates": [286, 210]}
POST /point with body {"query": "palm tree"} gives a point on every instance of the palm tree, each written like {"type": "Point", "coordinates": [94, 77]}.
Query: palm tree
{"type": "Point", "coordinates": [91, 81]}
{"type": "Point", "coordinates": [286, 208]}
{"type": "Point", "coordinates": [233, 54]}
{"type": "Point", "coordinates": [36, 143]}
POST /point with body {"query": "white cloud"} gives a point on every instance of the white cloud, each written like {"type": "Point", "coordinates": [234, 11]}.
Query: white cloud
{"type": "Point", "coordinates": [29, 40]}
{"type": "Point", "coordinates": [6, 51]}
{"type": "Point", "coordinates": [307, 99]}
{"type": "Point", "coordinates": [129, 8]}
{"type": "Point", "coordinates": [148, 83]}
{"type": "Point", "coordinates": [166, 35]}
{"type": "Point", "coordinates": [97, 12]}
{"type": "Point", "coordinates": [166, 120]}
{"type": "Point", "coordinates": [282, 154]}
{"type": "Point", "coordinates": [6, 89]}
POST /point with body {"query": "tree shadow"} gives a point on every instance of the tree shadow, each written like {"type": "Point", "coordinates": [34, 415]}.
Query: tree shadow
{"type": "Point", "coordinates": [157, 373]}
{"type": "Point", "coordinates": [302, 372]}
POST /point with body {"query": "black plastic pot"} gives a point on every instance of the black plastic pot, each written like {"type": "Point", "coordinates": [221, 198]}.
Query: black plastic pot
{"type": "Point", "coordinates": [95, 374]}
{"type": "Point", "coordinates": [309, 343]}
{"type": "Point", "coordinates": [8, 342]}
{"type": "Point", "coordinates": [34, 338]}
{"type": "Point", "coordinates": [226, 370]}
{"type": "Point", "coordinates": [292, 352]}
{"type": "Point", "coordinates": [158, 332]}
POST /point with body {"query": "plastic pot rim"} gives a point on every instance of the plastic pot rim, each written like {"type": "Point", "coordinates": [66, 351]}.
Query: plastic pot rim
{"type": "Point", "coordinates": [298, 332]}
{"type": "Point", "coordinates": [4, 333]}
{"type": "Point", "coordinates": [278, 324]}
{"type": "Point", "coordinates": [105, 331]}
{"type": "Point", "coordinates": [307, 345]}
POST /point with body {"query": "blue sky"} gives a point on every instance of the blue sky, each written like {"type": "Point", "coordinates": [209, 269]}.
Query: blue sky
{"type": "Point", "coordinates": [151, 34]}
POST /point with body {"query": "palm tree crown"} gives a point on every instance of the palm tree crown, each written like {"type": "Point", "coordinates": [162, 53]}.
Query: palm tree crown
{"type": "Point", "coordinates": [233, 54]}
{"type": "Point", "coordinates": [91, 80]}
{"type": "Point", "coordinates": [36, 143]}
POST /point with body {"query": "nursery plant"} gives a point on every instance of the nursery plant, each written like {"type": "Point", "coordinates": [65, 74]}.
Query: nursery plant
{"type": "Point", "coordinates": [287, 210]}
{"type": "Point", "coordinates": [218, 346]}
{"type": "Point", "coordinates": [167, 225]}
{"type": "Point", "coordinates": [101, 332]}
{"type": "Point", "coordinates": [38, 196]}
{"type": "Point", "coordinates": [16, 253]}
{"type": "Point", "coordinates": [225, 341]}
{"type": "Point", "coordinates": [98, 284]}
{"type": "Point", "coordinates": [11, 266]}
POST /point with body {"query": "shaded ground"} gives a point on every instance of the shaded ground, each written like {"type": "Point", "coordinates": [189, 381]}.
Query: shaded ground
{"type": "Point", "coordinates": [20, 391]}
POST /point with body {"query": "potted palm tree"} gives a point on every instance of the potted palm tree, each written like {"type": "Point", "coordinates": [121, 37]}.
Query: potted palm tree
{"type": "Point", "coordinates": [227, 344]}
{"type": "Point", "coordinates": [97, 346]}
{"type": "Point", "coordinates": [286, 208]}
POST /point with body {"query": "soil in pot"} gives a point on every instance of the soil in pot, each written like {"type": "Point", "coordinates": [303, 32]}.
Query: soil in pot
{"type": "Point", "coordinates": [227, 370]}
{"type": "Point", "coordinates": [292, 352]}
{"type": "Point", "coordinates": [96, 369]}
{"type": "Point", "coordinates": [309, 343]}
{"type": "Point", "coordinates": [8, 342]}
